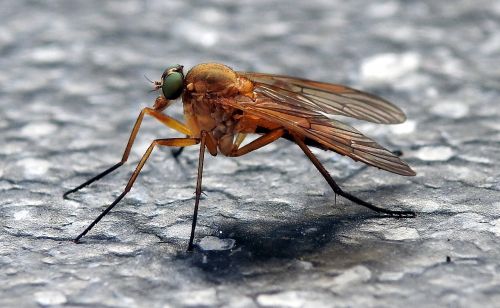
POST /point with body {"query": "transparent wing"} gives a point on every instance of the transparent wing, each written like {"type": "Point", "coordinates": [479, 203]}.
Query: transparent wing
{"type": "Point", "coordinates": [280, 108]}
{"type": "Point", "coordinates": [331, 99]}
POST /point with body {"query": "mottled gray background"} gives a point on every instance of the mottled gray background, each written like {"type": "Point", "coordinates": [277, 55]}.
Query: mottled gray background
{"type": "Point", "coordinates": [72, 84]}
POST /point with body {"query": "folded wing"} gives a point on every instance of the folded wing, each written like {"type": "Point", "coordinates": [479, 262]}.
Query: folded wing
{"type": "Point", "coordinates": [332, 99]}
{"type": "Point", "coordinates": [291, 110]}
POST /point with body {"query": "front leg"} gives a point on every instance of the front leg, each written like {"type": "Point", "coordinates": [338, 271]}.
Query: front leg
{"type": "Point", "coordinates": [163, 118]}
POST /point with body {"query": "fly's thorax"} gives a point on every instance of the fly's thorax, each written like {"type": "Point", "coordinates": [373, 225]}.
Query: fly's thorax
{"type": "Point", "coordinates": [205, 85]}
{"type": "Point", "coordinates": [211, 79]}
{"type": "Point", "coordinates": [214, 117]}
{"type": "Point", "coordinates": [211, 116]}
{"type": "Point", "coordinates": [225, 119]}
{"type": "Point", "coordinates": [197, 114]}
{"type": "Point", "coordinates": [245, 87]}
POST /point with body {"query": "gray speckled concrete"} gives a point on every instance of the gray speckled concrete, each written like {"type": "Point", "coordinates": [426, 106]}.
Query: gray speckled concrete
{"type": "Point", "coordinates": [269, 233]}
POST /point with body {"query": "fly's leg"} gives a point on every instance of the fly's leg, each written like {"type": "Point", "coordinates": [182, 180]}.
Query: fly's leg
{"type": "Point", "coordinates": [339, 191]}
{"type": "Point", "coordinates": [173, 142]}
{"type": "Point", "coordinates": [208, 141]}
{"type": "Point", "coordinates": [201, 158]}
{"type": "Point", "coordinates": [258, 143]}
{"type": "Point", "coordinates": [398, 153]}
{"type": "Point", "coordinates": [166, 120]}
{"type": "Point", "coordinates": [177, 153]}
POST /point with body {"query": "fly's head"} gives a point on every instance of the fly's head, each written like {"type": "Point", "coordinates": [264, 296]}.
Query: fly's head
{"type": "Point", "coordinates": [171, 86]}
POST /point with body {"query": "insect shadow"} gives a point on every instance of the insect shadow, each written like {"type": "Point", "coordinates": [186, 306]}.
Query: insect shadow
{"type": "Point", "coordinates": [264, 243]}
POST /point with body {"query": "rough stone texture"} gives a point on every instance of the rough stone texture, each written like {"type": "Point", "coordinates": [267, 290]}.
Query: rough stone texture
{"type": "Point", "coordinates": [72, 86]}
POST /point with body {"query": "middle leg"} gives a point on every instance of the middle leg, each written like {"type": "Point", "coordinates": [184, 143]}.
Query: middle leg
{"type": "Point", "coordinates": [201, 158]}
{"type": "Point", "coordinates": [173, 142]}
{"type": "Point", "coordinates": [258, 143]}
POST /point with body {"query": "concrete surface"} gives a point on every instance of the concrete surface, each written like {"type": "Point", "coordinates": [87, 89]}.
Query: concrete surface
{"type": "Point", "coordinates": [269, 233]}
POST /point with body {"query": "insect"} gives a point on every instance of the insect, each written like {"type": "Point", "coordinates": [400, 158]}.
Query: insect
{"type": "Point", "coordinates": [222, 106]}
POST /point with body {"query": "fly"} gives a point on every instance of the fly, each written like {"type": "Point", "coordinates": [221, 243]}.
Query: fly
{"type": "Point", "coordinates": [222, 106]}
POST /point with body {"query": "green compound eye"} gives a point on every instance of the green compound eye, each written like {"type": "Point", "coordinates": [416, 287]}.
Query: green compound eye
{"type": "Point", "coordinates": [172, 82]}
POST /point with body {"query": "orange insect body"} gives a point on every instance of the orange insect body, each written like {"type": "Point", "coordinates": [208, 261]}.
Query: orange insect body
{"type": "Point", "coordinates": [222, 106]}
{"type": "Point", "coordinates": [206, 85]}
{"type": "Point", "coordinates": [226, 103]}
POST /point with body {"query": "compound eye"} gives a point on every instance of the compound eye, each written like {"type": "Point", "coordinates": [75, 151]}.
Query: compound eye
{"type": "Point", "coordinates": [172, 85]}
